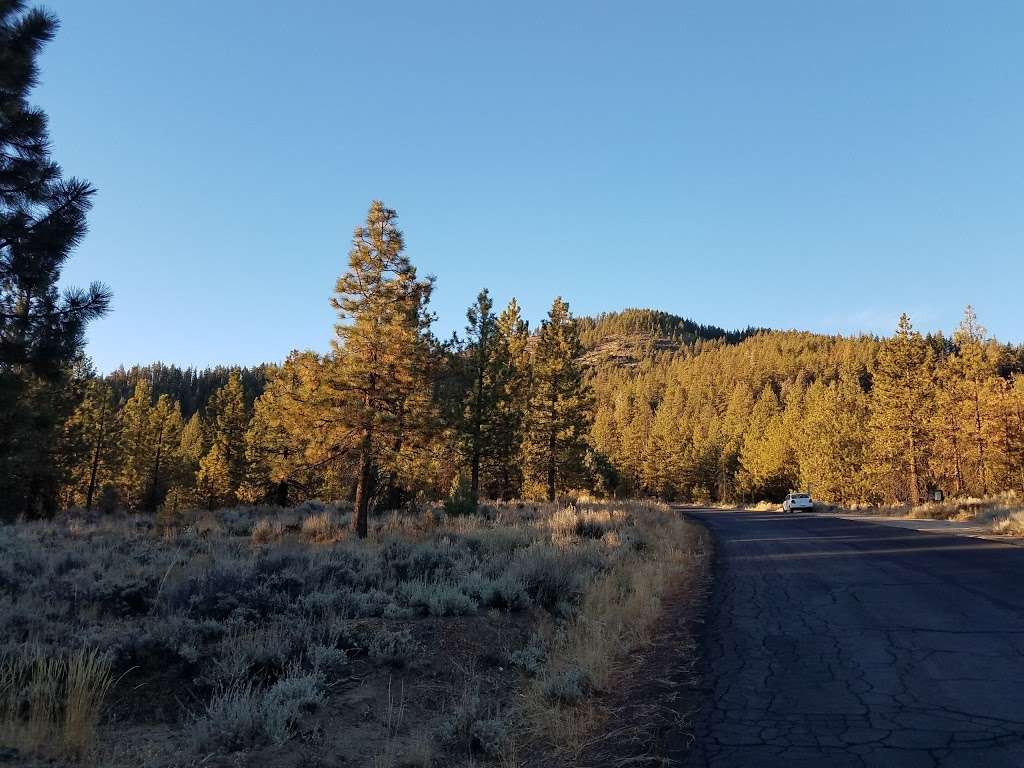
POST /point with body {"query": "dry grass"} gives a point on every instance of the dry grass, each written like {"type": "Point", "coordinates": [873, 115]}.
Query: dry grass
{"type": "Point", "coordinates": [1002, 513]}
{"type": "Point", "coordinates": [266, 531]}
{"type": "Point", "coordinates": [321, 528]}
{"type": "Point", "coordinates": [763, 506]}
{"type": "Point", "coordinates": [52, 705]}
{"type": "Point", "coordinates": [616, 616]}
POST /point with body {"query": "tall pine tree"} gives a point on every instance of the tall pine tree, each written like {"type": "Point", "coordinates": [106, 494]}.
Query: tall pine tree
{"type": "Point", "coordinates": [382, 355]}
{"type": "Point", "coordinates": [92, 432]}
{"type": "Point", "coordinates": [136, 449]}
{"type": "Point", "coordinates": [504, 467]}
{"type": "Point", "coordinates": [42, 219]}
{"type": "Point", "coordinates": [559, 413]}
{"type": "Point", "coordinates": [227, 422]}
{"type": "Point", "coordinates": [902, 408]}
{"type": "Point", "coordinates": [166, 429]}
{"type": "Point", "coordinates": [489, 381]}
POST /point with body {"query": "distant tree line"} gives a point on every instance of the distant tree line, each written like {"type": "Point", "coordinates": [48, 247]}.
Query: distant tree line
{"type": "Point", "coordinates": [856, 420]}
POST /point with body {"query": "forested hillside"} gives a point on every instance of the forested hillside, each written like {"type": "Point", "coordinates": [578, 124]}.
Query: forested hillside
{"type": "Point", "coordinates": [854, 419]}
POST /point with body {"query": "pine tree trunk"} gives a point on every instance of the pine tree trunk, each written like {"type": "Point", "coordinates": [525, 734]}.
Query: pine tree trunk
{"type": "Point", "coordinates": [957, 461]}
{"type": "Point", "coordinates": [981, 444]}
{"type": "Point", "coordinates": [552, 436]}
{"type": "Point", "coordinates": [362, 501]}
{"type": "Point", "coordinates": [96, 459]}
{"type": "Point", "coordinates": [156, 468]}
{"type": "Point", "coordinates": [474, 478]}
{"type": "Point", "coordinates": [915, 498]}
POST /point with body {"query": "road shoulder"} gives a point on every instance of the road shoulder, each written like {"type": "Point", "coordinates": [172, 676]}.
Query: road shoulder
{"type": "Point", "coordinates": [927, 525]}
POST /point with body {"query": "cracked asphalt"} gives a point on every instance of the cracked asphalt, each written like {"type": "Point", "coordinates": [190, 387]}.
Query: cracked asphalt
{"type": "Point", "coordinates": [841, 643]}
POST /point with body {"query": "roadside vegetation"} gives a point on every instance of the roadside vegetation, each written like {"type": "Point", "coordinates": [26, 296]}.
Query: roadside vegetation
{"type": "Point", "coordinates": [1001, 513]}
{"type": "Point", "coordinates": [269, 636]}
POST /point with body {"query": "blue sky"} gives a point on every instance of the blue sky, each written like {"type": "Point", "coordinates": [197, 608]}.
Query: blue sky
{"type": "Point", "coordinates": [788, 164]}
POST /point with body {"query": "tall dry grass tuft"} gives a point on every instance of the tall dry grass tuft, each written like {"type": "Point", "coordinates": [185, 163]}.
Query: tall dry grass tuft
{"type": "Point", "coordinates": [49, 704]}
{"type": "Point", "coordinates": [1011, 525]}
{"type": "Point", "coordinates": [88, 681]}
{"type": "Point", "coordinates": [321, 528]}
{"type": "Point", "coordinates": [266, 531]}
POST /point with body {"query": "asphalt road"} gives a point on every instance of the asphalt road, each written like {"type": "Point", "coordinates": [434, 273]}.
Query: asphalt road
{"type": "Point", "coordinates": [837, 643]}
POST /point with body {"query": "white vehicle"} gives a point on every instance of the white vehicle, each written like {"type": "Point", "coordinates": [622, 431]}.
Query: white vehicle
{"type": "Point", "coordinates": [797, 501]}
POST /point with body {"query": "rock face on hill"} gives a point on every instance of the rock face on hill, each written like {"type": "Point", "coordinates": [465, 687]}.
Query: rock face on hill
{"type": "Point", "coordinates": [628, 350]}
{"type": "Point", "coordinates": [631, 336]}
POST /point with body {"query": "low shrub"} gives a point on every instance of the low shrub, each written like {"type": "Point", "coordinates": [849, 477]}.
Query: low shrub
{"type": "Point", "coordinates": [436, 598]}
{"type": "Point", "coordinates": [397, 649]}
{"type": "Point", "coordinates": [243, 717]}
{"type": "Point", "coordinates": [552, 578]}
{"type": "Point", "coordinates": [567, 686]}
{"type": "Point", "coordinates": [326, 658]}
{"type": "Point", "coordinates": [529, 659]}
{"type": "Point", "coordinates": [505, 591]}
{"type": "Point", "coordinates": [488, 736]}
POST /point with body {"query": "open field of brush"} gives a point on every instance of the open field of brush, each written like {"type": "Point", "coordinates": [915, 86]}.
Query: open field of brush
{"type": "Point", "coordinates": [267, 636]}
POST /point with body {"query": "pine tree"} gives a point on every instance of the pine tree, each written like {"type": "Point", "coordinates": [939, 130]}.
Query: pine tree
{"type": "Point", "coordinates": [972, 367]}
{"type": "Point", "coordinates": [766, 455]}
{"type": "Point", "coordinates": [297, 439]}
{"type": "Point", "coordinates": [382, 355]}
{"type": "Point", "coordinates": [504, 469]}
{"type": "Point", "coordinates": [559, 409]}
{"type": "Point", "coordinates": [214, 480]}
{"type": "Point", "coordinates": [227, 424]}
{"type": "Point", "coordinates": [637, 420]}
{"type": "Point", "coordinates": [136, 447]}
{"type": "Point", "coordinates": [273, 449]}
{"type": "Point", "coordinates": [193, 446]}
{"type": "Point", "coordinates": [948, 429]}
{"type": "Point", "coordinates": [1014, 415]}
{"type": "Point", "coordinates": [42, 219]}
{"type": "Point", "coordinates": [902, 407]}
{"type": "Point", "coordinates": [483, 365]}
{"type": "Point", "coordinates": [1002, 433]}
{"type": "Point", "coordinates": [92, 434]}
{"type": "Point", "coordinates": [166, 430]}
{"type": "Point", "coordinates": [833, 440]}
